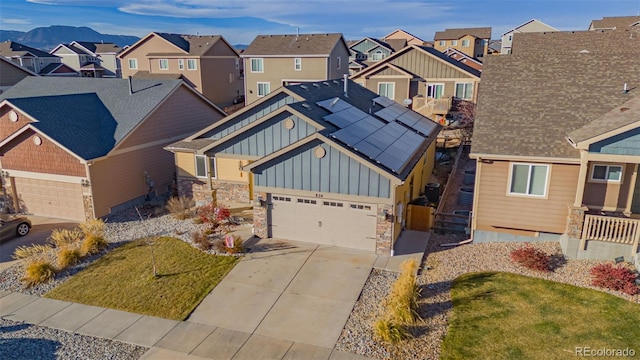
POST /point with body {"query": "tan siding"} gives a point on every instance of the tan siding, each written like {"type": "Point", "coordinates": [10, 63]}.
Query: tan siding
{"type": "Point", "coordinates": [185, 164]}
{"type": "Point", "coordinates": [118, 179]}
{"type": "Point", "coordinates": [609, 196]}
{"type": "Point", "coordinates": [220, 49]}
{"type": "Point", "coordinates": [427, 66]}
{"type": "Point", "coordinates": [221, 80]}
{"type": "Point", "coordinates": [496, 209]}
{"type": "Point", "coordinates": [151, 45]}
{"type": "Point", "coordinates": [11, 75]}
{"type": "Point", "coordinates": [49, 158]}
{"type": "Point", "coordinates": [401, 91]}
{"type": "Point", "coordinates": [183, 112]}
{"type": "Point", "coordinates": [8, 127]}
{"type": "Point", "coordinates": [229, 170]}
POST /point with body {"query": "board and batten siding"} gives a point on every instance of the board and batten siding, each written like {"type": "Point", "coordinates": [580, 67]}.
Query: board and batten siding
{"type": "Point", "coordinates": [497, 211]}
{"type": "Point", "coordinates": [427, 66]}
{"type": "Point", "coordinates": [335, 173]}
{"type": "Point", "coordinates": [627, 143]}
{"type": "Point", "coordinates": [268, 137]}
{"type": "Point", "coordinates": [249, 116]}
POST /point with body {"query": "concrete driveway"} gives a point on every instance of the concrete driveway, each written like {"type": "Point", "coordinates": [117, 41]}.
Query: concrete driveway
{"type": "Point", "coordinates": [42, 227]}
{"type": "Point", "coordinates": [285, 292]}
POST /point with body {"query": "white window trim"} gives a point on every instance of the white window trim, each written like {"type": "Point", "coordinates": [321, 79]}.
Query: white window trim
{"type": "Point", "coordinates": [393, 95]}
{"type": "Point", "coordinates": [297, 64]}
{"type": "Point", "coordinates": [135, 61]}
{"type": "Point", "coordinates": [443, 42]}
{"type": "Point", "coordinates": [546, 185]}
{"type": "Point", "coordinates": [251, 65]}
{"type": "Point", "coordinates": [194, 62]}
{"type": "Point", "coordinates": [434, 84]}
{"type": "Point", "coordinates": [207, 171]}
{"type": "Point", "coordinates": [468, 43]}
{"type": "Point", "coordinates": [455, 89]}
{"type": "Point", "coordinates": [258, 88]}
{"type": "Point", "coordinates": [180, 64]}
{"type": "Point", "coordinates": [593, 166]}
{"type": "Point", "coordinates": [160, 61]}
{"type": "Point", "coordinates": [339, 64]}
{"type": "Point", "coordinates": [454, 42]}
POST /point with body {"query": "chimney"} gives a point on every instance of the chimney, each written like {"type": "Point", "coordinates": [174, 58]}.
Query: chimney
{"type": "Point", "coordinates": [130, 85]}
{"type": "Point", "coordinates": [346, 86]}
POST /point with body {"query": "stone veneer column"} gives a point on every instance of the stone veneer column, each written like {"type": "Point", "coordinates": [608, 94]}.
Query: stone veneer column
{"type": "Point", "coordinates": [260, 228]}
{"type": "Point", "coordinates": [196, 189]}
{"type": "Point", "coordinates": [384, 230]}
{"type": "Point", "coordinates": [575, 221]}
{"type": "Point", "coordinates": [87, 199]}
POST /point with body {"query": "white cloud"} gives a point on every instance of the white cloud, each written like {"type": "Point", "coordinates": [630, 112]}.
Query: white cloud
{"type": "Point", "coordinates": [15, 21]}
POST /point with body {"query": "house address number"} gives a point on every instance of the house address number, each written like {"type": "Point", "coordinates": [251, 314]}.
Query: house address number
{"type": "Point", "coordinates": [319, 195]}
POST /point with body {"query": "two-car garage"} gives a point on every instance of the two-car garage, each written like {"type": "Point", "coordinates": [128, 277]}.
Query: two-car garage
{"type": "Point", "coordinates": [323, 221]}
{"type": "Point", "coordinates": [50, 198]}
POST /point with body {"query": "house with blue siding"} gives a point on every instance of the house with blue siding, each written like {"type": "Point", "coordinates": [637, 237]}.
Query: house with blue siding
{"type": "Point", "coordinates": [328, 162]}
{"type": "Point", "coordinates": [557, 144]}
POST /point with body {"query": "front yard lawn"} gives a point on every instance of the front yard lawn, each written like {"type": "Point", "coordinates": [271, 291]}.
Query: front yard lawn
{"type": "Point", "coordinates": [509, 316]}
{"type": "Point", "coordinates": [123, 279]}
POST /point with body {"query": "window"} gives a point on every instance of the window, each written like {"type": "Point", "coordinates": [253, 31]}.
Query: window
{"type": "Point", "coordinates": [133, 64]}
{"type": "Point", "coordinates": [202, 167]}
{"type": "Point", "coordinates": [377, 55]}
{"type": "Point", "coordinates": [192, 64]}
{"type": "Point", "coordinates": [443, 42]}
{"type": "Point", "coordinates": [510, 37]}
{"type": "Point", "coordinates": [465, 43]}
{"type": "Point", "coordinates": [528, 179]}
{"type": "Point", "coordinates": [435, 90]}
{"type": "Point", "coordinates": [606, 173]}
{"type": "Point", "coordinates": [181, 64]}
{"type": "Point", "coordinates": [454, 42]}
{"type": "Point", "coordinates": [257, 65]}
{"type": "Point", "coordinates": [338, 63]}
{"type": "Point", "coordinates": [237, 64]}
{"type": "Point", "coordinates": [464, 90]}
{"type": "Point", "coordinates": [297, 64]}
{"type": "Point", "coordinates": [164, 64]}
{"type": "Point", "coordinates": [263, 89]}
{"type": "Point", "coordinates": [386, 89]}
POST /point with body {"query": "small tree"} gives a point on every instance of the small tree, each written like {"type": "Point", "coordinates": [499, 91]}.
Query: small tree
{"type": "Point", "coordinates": [148, 239]}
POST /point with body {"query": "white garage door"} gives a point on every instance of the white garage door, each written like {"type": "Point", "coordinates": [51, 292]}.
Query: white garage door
{"type": "Point", "coordinates": [324, 221]}
{"type": "Point", "coordinates": [50, 198]}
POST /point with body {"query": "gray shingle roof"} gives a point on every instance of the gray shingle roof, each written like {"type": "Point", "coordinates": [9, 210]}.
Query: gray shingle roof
{"type": "Point", "coordinates": [625, 114]}
{"type": "Point", "coordinates": [453, 34]}
{"type": "Point", "coordinates": [596, 41]}
{"type": "Point", "coordinates": [11, 48]}
{"type": "Point", "coordinates": [86, 115]}
{"type": "Point", "coordinates": [196, 45]}
{"type": "Point", "coordinates": [614, 22]}
{"type": "Point", "coordinates": [303, 44]}
{"type": "Point", "coordinates": [99, 48]}
{"type": "Point", "coordinates": [528, 104]}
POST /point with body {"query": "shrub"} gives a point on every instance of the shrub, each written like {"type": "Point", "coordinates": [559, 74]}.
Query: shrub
{"type": "Point", "coordinates": [180, 207]}
{"type": "Point", "coordinates": [68, 256]}
{"type": "Point", "coordinates": [62, 238]}
{"type": "Point", "coordinates": [93, 244]}
{"type": "Point", "coordinates": [201, 240]}
{"type": "Point", "coordinates": [206, 213]}
{"type": "Point", "coordinates": [390, 332]}
{"type": "Point", "coordinates": [38, 252]}
{"type": "Point", "coordinates": [531, 258]}
{"type": "Point", "coordinates": [218, 216]}
{"type": "Point", "coordinates": [617, 278]}
{"type": "Point", "coordinates": [402, 302]}
{"type": "Point", "coordinates": [93, 227]}
{"type": "Point", "coordinates": [38, 272]}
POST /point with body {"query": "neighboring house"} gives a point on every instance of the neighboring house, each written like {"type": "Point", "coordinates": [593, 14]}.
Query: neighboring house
{"type": "Point", "coordinates": [615, 22]}
{"type": "Point", "coordinates": [532, 25]}
{"type": "Point", "coordinates": [91, 59]}
{"type": "Point", "coordinates": [11, 74]}
{"type": "Point", "coordinates": [78, 148]}
{"type": "Point", "coordinates": [424, 75]}
{"type": "Point", "coordinates": [367, 51]}
{"type": "Point", "coordinates": [271, 61]}
{"type": "Point", "coordinates": [556, 143]}
{"type": "Point", "coordinates": [577, 41]}
{"type": "Point", "coordinates": [29, 58]}
{"type": "Point", "coordinates": [471, 41]}
{"type": "Point", "coordinates": [326, 162]}
{"type": "Point", "coordinates": [494, 48]}
{"type": "Point", "coordinates": [58, 69]}
{"type": "Point", "coordinates": [463, 58]}
{"type": "Point", "coordinates": [208, 63]}
{"type": "Point", "coordinates": [400, 34]}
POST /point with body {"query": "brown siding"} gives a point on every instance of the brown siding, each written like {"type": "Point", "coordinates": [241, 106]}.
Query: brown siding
{"type": "Point", "coordinates": [183, 112]}
{"type": "Point", "coordinates": [120, 178]}
{"type": "Point", "coordinates": [49, 158]}
{"type": "Point", "coordinates": [341, 52]}
{"type": "Point", "coordinates": [427, 66]}
{"type": "Point", "coordinates": [8, 127]}
{"type": "Point", "coordinates": [495, 209]}
{"type": "Point", "coordinates": [221, 81]}
{"type": "Point", "coordinates": [608, 196]}
{"type": "Point", "coordinates": [11, 75]}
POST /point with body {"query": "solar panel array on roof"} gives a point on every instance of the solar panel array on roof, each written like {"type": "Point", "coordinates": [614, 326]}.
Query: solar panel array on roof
{"type": "Point", "coordinates": [384, 101]}
{"type": "Point", "coordinates": [334, 104]}
{"type": "Point", "coordinates": [358, 130]}
{"type": "Point", "coordinates": [410, 118]}
{"type": "Point", "coordinates": [392, 145]}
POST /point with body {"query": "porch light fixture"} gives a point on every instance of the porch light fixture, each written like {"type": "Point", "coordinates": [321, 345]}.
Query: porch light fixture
{"type": "Point", "coordinates": [4, 174]}
{"type": "Point", "coordinates": [85, 183]}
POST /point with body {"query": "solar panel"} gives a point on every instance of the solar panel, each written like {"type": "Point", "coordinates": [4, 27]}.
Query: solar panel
{"type": "Point", "coordinates": [357, 131]}
{"type": "Point", "coordinates": [424, 127]}
{"type": "Point", "coordinates": [338, 120]}
{"type": "Point", "coordinates": [384, 101]}
{"type": "Point", "coordinates": [334, 105]}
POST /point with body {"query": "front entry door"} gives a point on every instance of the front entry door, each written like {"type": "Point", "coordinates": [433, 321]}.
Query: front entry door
{"type": "Point", "coordinates": [635, 202]}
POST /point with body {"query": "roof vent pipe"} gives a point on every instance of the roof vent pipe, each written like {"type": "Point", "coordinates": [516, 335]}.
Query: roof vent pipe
{"type": "Point", "coordinates": [346, 86]}
{"type": "Point", "coordinates": [130, 85]}
{"type": "Point", "coordinates": [625, 89]}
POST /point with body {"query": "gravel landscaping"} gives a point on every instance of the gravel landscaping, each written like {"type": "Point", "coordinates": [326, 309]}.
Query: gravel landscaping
{"type": "Point", "coordinates": [20, 341]}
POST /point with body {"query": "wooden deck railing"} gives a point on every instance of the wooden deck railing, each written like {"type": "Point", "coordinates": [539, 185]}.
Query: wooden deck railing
{"type": "Point", "coordinates": [431, 106]}
{"type": "Point", "coordinates": [611, 229]}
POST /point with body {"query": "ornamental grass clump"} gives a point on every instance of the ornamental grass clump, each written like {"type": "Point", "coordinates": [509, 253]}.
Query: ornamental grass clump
{"type": "Point", "coordinates": [93, 241]}
{"type": "Point", "coordinates": [38, 268]}
{"type": "Point", "coordinates": [181, 207]}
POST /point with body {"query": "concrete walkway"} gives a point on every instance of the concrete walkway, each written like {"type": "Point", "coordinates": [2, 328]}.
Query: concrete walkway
{"type": "Point", "coordinates": [283, 300]}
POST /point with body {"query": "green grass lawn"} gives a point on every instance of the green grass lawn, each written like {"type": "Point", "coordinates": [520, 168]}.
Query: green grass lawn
{"type": "Point", "coordinates": [508, 316]}
{"type": "Point", "coordinates": [123, 279]}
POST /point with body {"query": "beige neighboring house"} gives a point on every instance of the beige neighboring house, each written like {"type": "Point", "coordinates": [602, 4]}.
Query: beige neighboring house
{"type": "Point", "coordinates": [532, 25]}
{"type": "Point", "coordinates": [29, 58]}
{"type": "Point", "coordinates": [400, 34]}
{"type": "Point", "coordinates": [434, 82]}
{"type": "Point", "coordinates": [206, 62]}
{"type": "Point", "coordinates": [556, 142]}
{"type": "Point", "coordinates": [91, 59]}
{"type": "Point", "coordinates": [79, 148]}
{"type": "Point", "coordinates": [615, 22]}
{"type": "Point", "coordinates": [271, 61]}
{"type": "Point", "coordinates": [471, 41]}
{"type": "Point", "coordinates": [11, 74]}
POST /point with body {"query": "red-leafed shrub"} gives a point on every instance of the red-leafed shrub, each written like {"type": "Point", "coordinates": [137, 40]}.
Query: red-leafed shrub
{"type": "Point", "coordinates": [615, 278]}
{"type": "Point", "coordinates": [218, 216]}
{"type": "Point", "coordinates": [531, 258]}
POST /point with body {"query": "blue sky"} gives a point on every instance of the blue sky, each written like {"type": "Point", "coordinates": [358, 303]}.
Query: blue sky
{"type": "Point", "coordinates": [240, 21]}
